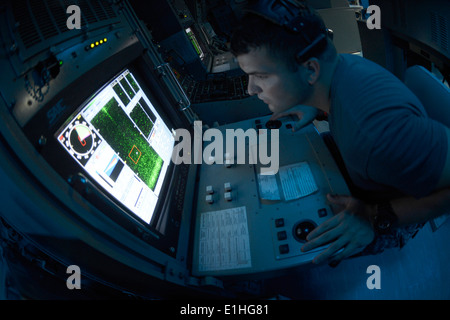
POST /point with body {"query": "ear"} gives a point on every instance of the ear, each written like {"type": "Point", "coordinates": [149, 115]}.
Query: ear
{"type": "Point", "coordinates": [312, 67]}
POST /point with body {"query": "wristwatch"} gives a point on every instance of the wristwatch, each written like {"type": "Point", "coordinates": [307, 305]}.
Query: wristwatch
{"type": "Point", "coordinates": [385, 218]}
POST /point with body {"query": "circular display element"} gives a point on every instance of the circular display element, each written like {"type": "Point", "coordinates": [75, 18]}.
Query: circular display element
{"type": "Point", "coordinates": [302, 229]}
{"type": "Point", "coordinates": [81, 139]}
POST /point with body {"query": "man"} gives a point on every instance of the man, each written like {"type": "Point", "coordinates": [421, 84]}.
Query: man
{"type": "Point", "coordinates": [397, 159]}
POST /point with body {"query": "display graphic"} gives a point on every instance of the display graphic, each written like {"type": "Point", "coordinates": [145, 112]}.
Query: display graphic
{"type": "Point", "coordinates": [142, 119]}
{"type": "Point", "coordinates": [128, 142]}
{"type": "Point", "coordinates": [194, 42]}
{"type": "Point", "coordinates": [120, 140]}
{"type": "Point", "coordinates": [80, 140]}
{"type": "Point", "coordinates": [114, 168]}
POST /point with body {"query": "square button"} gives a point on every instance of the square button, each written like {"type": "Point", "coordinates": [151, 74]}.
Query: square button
{"type": "Point", "coordinates": [284, 248]}
{"type": "Point", "coordinates": [279, 223]}
{"type": "Point", "coordinates": [282, 235]}
{"type": "Point", "coordinates": [322, 212]}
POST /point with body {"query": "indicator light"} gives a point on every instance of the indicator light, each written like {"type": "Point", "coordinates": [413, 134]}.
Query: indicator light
{"type": "Point", "coordinates": [96, 44]}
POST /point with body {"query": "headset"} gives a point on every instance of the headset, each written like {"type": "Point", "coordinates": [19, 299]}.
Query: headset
{"type": "Point", "coordinates": [287, 14]}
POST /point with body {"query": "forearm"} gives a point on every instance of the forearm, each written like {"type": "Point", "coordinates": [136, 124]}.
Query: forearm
{"type": "Point", "coordinates": [411, 210]}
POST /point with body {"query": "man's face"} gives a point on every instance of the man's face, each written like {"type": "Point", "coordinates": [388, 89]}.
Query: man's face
{"type": "Point", "coordinates": [276, 85]}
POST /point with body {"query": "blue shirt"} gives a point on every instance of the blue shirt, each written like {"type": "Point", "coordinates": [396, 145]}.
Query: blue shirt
{"type": "Point", "coordinates": [387, 141]}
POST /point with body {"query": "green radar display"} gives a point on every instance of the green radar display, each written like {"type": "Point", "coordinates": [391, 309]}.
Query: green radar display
{"type": "Point", "coordinates": [127, 141]}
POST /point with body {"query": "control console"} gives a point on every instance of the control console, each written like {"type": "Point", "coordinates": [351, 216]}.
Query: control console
{"type": "Point", "coordinates": [254, 216]}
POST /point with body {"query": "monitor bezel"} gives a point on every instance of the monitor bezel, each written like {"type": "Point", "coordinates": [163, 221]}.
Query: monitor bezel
{"type": "Point", "coordinates": [164, 228]}
{"type": "Point", "coordinates": [78, 111]}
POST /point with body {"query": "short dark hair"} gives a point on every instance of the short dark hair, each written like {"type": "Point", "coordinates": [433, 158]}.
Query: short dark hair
{"type": "Point", "coordinates": [255, 31]}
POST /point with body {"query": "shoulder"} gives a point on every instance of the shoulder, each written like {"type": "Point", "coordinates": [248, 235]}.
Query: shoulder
{"type": "Point", "coordinates": [367, 81]}
{"type": "Point", "coordinates": [366, 98]}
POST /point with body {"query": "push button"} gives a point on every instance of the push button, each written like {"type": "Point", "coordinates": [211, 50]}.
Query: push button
{"type": "Point", "coordinates": [322, 212]}
{"type": "Point", "coordinates": [282, 235]}
{"type": "Point", "coordinates": [273, 124]}
{"type": "Point", "coordinates": [209, 199]}
{"type": "Point", "coordinates": [209, 190]}
{"type": "Point", "coordinates": [227, 196]}
{"type": "Point", "coordinates": [284, 248]}
{"type": "Point", "coordinates": [279, 223]}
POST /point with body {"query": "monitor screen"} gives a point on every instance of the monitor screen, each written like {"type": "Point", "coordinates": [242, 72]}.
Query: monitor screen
{"type": "Point", "coordinates": [122, 143]}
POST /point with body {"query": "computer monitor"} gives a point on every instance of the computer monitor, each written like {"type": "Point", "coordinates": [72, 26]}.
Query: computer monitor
{"type": "Point", "coordinates": [120, 141]}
